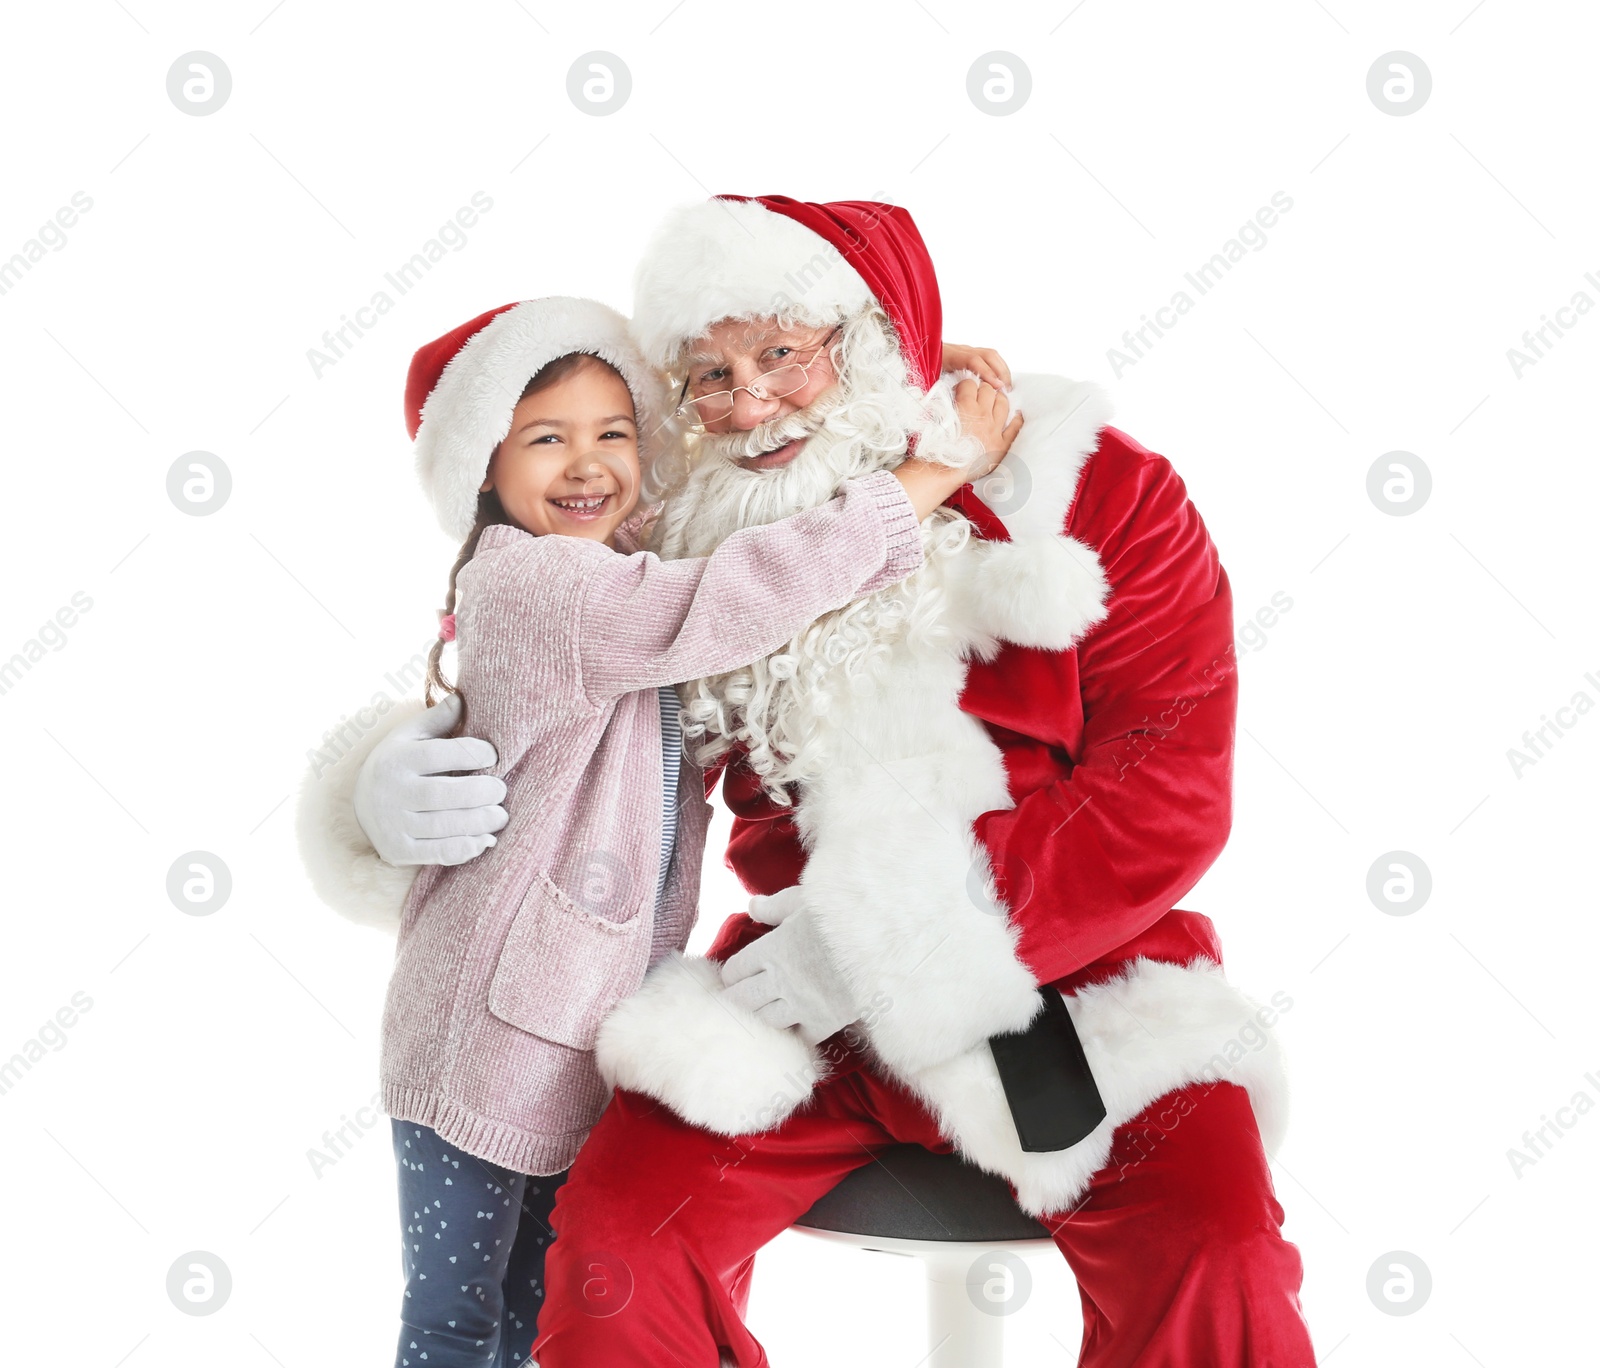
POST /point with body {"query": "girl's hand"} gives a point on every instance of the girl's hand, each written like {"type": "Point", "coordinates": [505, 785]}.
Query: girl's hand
{"type": "Point", "coordinates": [984, 412]}
{"type": "Point", "coordinates": [984, 362]}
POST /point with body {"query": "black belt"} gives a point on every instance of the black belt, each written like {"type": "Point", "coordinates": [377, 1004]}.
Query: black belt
{"type": "Point", "coordinates": [1052, 1095]}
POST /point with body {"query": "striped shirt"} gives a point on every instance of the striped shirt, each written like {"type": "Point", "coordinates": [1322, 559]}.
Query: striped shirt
{"type": "Point", "coordinates": [671, 753]}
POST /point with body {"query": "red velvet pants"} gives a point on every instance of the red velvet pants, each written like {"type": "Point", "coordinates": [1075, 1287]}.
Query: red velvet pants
{"type": "Point", "coordinates": [1176, 1245]}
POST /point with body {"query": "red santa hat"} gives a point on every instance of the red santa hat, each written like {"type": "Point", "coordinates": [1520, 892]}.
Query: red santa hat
{"type": "Point", "coordinates": [463, 388]}
{"type": "Point", "coordinates": [752, 256]}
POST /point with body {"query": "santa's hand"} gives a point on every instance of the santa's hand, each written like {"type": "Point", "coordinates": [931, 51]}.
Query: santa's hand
{"type": "Point", "coordinates": [786, 978]}
{"type": "Point", "coordinates": [412, 809]}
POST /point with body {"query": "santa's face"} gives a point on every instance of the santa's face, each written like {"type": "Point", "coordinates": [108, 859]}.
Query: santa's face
{"type": "Point", "coordinates": [761, 459]}
{"type": "Point", "coordinates": [733, 355]}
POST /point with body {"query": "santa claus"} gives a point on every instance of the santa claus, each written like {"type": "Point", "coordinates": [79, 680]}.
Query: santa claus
{"type": "Point", "coordinates": [966, 806]}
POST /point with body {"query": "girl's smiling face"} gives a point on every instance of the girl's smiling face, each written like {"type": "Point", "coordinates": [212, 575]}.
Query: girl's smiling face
{"type": "Point", "coordinates": [570, 464]}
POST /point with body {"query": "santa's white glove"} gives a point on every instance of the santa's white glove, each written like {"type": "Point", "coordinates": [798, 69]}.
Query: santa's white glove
{"type": "Point", "coordinates": [772, 908]}
{"type": "Point", "coordinates": [787, 978]}
{"type": "Point", "coordinates": [416, 813]}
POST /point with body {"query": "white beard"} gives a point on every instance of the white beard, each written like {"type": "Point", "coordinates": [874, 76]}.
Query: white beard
{"type": "Point", "coordinates": [720, 497]}
{"type": "Point", "coordinates": [776, 707]}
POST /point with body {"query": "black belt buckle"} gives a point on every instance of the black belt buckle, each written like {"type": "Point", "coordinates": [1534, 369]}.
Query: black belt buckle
{"type": "Point", "coordinates": [1051, 1092]}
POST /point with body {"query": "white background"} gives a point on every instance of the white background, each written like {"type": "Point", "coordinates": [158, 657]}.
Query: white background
{"type": "Point", "coordinates": [178, 1112]}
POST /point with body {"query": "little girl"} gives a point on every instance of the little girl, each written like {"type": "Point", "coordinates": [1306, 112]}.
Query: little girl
{"type": "Point", "coordinates": [535, 425]}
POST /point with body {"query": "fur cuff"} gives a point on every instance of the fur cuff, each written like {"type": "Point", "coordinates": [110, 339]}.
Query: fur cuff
{"type": "Point", "coordinates": [949, 999]}
{"type": "Point", "coordinates": [716, 1065]}
{"type": "Point", "coordinates": [1044, 592]}
{"type": "Point", "coordinates": [343, 867]}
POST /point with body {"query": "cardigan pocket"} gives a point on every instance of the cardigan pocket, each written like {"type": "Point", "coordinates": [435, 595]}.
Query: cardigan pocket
{"type": "Point", "coordinates": [562, 968]}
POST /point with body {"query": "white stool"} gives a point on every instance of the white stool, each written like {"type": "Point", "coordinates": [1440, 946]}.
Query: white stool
{"type": "Point", "coordinates": [942, 1210]}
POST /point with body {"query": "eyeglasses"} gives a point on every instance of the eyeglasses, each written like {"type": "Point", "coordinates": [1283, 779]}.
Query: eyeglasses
{"type": "Point", "coordinates": [773, 384]}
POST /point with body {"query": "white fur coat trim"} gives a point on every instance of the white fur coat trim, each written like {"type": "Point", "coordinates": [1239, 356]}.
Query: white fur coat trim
{"type": "Point", "coordinates": [343, 867]}
{"type": "Point", "coordinates": [1146, 1033]}
{"type": "Point", "coordinates": [716, 1065]}
{"type": "Point", "coordinates": [938, 948]}
{"type": "Point", "coordinates": [1032, 488]}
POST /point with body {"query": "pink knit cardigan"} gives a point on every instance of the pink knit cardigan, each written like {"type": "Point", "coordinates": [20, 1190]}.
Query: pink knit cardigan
{"type": "Point", "coordinates": [506, 965]}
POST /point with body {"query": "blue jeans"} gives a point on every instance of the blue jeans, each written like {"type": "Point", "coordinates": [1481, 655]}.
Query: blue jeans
{"type": "Point", "coordinates": [475, 1240]}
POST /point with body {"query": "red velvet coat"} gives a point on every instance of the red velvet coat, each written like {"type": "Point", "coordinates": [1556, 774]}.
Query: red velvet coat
{"type": "Point", "coordinates": [1118, 751]}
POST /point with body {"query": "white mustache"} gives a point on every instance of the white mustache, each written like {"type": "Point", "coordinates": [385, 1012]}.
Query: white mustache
{"type": "Point", "coordinates": [757, 441]}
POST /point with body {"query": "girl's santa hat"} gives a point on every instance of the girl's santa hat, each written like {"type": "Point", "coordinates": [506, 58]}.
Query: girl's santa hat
{"type": "Point", "coordinates": [463, 388]}
{"type": "Point", "coordinates": [756, 256]}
